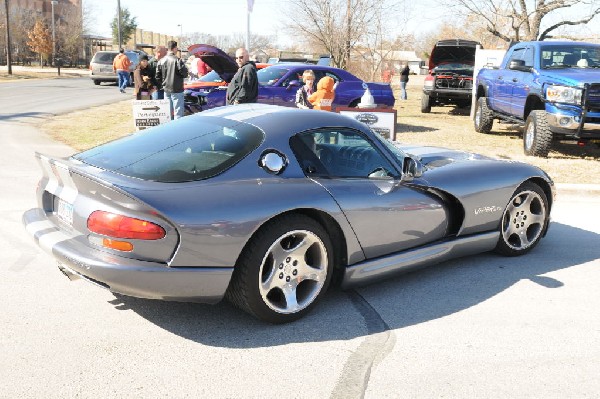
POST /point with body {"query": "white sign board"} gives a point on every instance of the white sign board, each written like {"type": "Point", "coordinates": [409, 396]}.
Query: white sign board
{"type": "Point", "coordinates": [380, 120]}
{"type": "Point", "coordinates": [484, 58]}
{"type": "Point", "coordinates": [148, 113]}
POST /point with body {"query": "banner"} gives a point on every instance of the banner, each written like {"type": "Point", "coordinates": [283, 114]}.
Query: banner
{"type": "Point", "coordinates": [250, 5]}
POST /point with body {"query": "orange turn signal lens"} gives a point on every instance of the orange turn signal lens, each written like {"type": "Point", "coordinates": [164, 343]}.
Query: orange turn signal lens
{"type": "Point", "coordinates": [118, 245]}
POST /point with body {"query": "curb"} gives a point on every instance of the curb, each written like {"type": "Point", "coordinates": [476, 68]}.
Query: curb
{"type": "Point", "coordinates": [578, 189]}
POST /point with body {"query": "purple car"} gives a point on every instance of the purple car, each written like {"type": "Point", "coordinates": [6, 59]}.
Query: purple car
{"type": "Point", "coordinates": [278, 83]}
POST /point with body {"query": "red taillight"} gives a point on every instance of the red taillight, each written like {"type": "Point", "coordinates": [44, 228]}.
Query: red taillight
{"type": "Point", "coordinates": [119, 226]}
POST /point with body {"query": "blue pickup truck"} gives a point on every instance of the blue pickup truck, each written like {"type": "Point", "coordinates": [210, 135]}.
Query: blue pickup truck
{"type": "Point", "coordinates": [550, 88]}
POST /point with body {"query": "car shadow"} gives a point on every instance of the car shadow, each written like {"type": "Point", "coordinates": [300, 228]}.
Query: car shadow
{"type": "Point", "coordinates": [403, 127]}
{"type": "Point", "coordinates": [21, 115]}
{"type": "Point", "coordinates": [399, 302]}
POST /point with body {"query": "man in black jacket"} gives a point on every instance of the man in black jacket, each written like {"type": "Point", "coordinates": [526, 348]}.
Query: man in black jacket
{"type": "Point", "coordinates": [159, 53]}
{"type": "Point", "coordinates": [170, 73]}
{"type": "Point", "coordinates": [243, 88]}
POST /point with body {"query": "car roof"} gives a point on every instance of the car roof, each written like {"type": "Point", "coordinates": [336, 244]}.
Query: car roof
{"type": "Point", "coordinates": [276, 120]}
{"type": "Point", "coordinates": [293, 65]}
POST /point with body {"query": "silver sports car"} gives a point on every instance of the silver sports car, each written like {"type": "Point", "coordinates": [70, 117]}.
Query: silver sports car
{"type": "Point", "coordinates": [268, 205]}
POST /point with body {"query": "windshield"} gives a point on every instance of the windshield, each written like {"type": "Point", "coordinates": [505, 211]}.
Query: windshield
{"type": "Point", "coordinates": [271, 75]}
{"type": "Point", "coordinates": [390, 145]}
{"type": "Point", "coordinates": [569, 56]}
{"type": "Point", "coordinates": [212, 77]}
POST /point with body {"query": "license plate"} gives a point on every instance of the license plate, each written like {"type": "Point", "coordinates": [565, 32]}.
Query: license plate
{"type": "Point", "coordinates": [65, 211]}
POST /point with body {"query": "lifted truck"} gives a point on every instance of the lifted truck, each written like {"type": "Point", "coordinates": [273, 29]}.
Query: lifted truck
{"type": "Point", "coordinates": [552, 89]}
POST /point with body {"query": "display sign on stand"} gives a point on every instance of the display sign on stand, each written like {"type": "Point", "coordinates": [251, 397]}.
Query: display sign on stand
{"type": "Point", "coordinates": [380, 120]}
{"type": "Point", "coordinates": [148, 113]}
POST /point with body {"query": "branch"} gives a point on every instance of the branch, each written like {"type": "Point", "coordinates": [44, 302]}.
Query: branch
{"type": "Point", "coordinates": [544, 34]}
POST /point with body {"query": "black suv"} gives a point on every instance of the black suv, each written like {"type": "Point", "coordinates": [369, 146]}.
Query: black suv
{"type": "Point", "coordinates": [450, 78]}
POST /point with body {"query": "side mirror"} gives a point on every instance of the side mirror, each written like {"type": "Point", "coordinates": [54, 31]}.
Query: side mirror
{"type": "Point", "coordinates": [518, 65]}
{"type": "Point", "coordinates": [294, 84]}
{"type": "Point", "coordinates": [411, 168]}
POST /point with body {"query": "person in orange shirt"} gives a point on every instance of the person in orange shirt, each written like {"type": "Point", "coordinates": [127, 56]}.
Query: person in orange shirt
{"type": "Point", "coordinates": [323, 97]}
{"type": "Point", "coordinates": [121, 65]}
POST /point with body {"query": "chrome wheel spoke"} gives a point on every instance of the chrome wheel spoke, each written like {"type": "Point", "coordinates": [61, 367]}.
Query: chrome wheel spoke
{"type": "Point", "coordinates": [536, 219]}
{"type": "Point", "coordinates": [524, 239]}
{"type": "Point", "coordinates": [314, 273]}
{"type": "Point", "coordinates": [291, 300]}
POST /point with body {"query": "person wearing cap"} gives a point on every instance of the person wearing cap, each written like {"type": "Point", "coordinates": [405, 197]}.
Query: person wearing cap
{"type": "Point", "coordinates": [142, 78]}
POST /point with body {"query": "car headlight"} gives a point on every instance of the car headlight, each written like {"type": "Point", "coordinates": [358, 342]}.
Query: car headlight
{"type": "Point", "coordinates": [564, 94]}
{"type": "Point", "coordinates": [429, 84]}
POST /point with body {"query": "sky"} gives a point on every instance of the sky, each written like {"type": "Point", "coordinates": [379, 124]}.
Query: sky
{"type": "Point", "coordinates": [218, 17]}
{"type": "Point", "coordinates": [224, 17]}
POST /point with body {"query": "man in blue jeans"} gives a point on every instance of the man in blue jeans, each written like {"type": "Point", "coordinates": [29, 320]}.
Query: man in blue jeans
{"type": "Point", "coordinates": [121, 65]}
{"type": "Point", "coordinates": [170, 73]}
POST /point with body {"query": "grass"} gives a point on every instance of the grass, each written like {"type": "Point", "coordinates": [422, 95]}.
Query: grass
{"type": "Point", "coordinates": [444, 126]}
{"type": "Point", "coordinates": [91, 127]}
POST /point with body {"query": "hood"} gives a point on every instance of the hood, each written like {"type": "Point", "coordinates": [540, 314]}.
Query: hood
{"type": "Point", "coordinates": [455, 50]}
{"type": "Point", "coordinates": [215, 58]}
{"type": "Point", "coordinates": [571, 76]}
{"type": "Point", "coordinates": [326, 83]}
{"type": "Point", "coordinates": [437, 157]}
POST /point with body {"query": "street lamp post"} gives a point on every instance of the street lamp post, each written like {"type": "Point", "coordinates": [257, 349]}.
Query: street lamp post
{"type": "Point", "coordinates": [53, 2]}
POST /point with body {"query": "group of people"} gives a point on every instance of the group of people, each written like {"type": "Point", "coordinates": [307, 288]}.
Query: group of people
{"type": "Point", "coordinates": [157, 78]}
{"type": "Point", "coordinates": [163, 76]}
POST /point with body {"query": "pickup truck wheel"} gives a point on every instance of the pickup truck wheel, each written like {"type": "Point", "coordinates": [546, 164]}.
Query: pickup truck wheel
{"type": "Point", "coordinates": [537, 138]}
{"type": "Point", "coordinates": [483, 120]}
{"type": "Point", "coordinates": [96, 82]}
{"type": "Point", "coordinates": [425, 104]}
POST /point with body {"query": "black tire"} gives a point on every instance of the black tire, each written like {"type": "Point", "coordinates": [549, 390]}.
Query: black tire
{"type": "Point", "coordinates": [524, 220]}
{"type": "Point", "coordinates": [425, 104]}
{"type": "Point", "coordinates": [292, 253]}
{"type": "Point", "coordinates": [96, 82]}
{"type": "Point", "coordinates": [483, 119]}
{"type": "Point", "coordinates": [537, 137]}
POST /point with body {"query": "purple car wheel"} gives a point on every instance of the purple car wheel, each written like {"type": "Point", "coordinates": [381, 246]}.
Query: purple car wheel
{"type": "Point", "coordinates": [285, 270]}
{"type": "Point", "coordinates": [524, 221]}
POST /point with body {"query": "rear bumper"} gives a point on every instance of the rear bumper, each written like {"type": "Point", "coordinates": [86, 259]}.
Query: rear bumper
{"type": "Point", "coordinates": [124, 275]}
{"type": "Point", "coordinates": [105, 77]}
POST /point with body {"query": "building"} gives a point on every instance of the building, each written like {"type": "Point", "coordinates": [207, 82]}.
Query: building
{"type": "Point", "coordinates": [44, 7]}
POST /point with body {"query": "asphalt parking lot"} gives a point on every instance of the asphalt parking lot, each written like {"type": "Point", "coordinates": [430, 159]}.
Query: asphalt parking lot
{"type": "Point", "coordinates": [484, 326]}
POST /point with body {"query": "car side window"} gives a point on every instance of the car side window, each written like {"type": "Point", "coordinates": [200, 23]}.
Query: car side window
{"type": "Point", "coordinates": [333, 76]}
{"type": "Point", "coordinates": [528, 57]}
{"type": "Point", "coordinates": [340, 153]}
{"type": "Point", "coordinates": [518, 55]}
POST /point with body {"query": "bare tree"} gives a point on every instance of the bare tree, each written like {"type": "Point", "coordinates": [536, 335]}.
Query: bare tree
{"type": "Point", "coordinates": [69, 35]}
{"type": "Point", "coordinates": [515, 20]}
{"type": "Point", "coordinates": [338, 26]}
